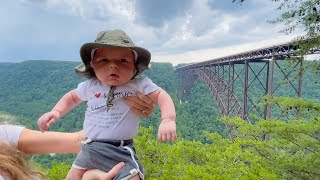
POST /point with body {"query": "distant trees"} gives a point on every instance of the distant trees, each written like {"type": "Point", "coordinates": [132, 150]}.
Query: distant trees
{"type": "Point", "coordinates": [300, 15]}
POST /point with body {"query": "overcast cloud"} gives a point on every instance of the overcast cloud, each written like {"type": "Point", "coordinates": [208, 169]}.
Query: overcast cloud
{"type": "Point", "coordinates": [174, 31]}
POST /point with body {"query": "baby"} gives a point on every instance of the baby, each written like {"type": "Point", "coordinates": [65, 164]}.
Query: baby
{"type": "Point", "coordinates": [111, 64]}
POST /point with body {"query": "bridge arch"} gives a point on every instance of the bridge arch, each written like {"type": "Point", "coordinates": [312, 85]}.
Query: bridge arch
{"type": "Point", "coordinates": [226, 101]}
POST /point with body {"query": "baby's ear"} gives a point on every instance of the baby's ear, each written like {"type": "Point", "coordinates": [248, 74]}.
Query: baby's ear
{"type": "Point", "coordinates": [93, 53]}
{"type": "Point", "coordinates": [93, 61]}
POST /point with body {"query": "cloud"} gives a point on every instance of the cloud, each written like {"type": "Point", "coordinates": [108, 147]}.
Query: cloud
{"type": "Point", "coordinates": [154, 12]}
{"type": "Point", "coordinates": [213, 53]}
{"type": "Point", "coordinates": [200, 27]}
{"type": "Point", "coordinates": [173, 31]}
{"type": "Point", "coordinates": [91, 10]}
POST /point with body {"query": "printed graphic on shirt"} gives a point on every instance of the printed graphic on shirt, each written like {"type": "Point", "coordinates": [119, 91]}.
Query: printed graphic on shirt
{"type": "Point", "coordinates": [104, 96]}
{"type": "Point", "coordinates": [103, 121]}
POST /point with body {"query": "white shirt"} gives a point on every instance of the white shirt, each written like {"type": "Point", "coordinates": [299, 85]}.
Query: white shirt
{"type": "Point", "coordinates": [119, 122]}
{"type": "Point", "coordinates": [10, 133]}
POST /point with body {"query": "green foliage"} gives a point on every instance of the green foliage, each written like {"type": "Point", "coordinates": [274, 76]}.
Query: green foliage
{"type": "Point", "coordinates": [198, 113]}
{"type": "Point", "coordinates": [46, 160]}
{"type": "Point", "coordinates": [295, 107]}
{"type": "Point", "coordinates": [58, 171]}
{"type": "Point", "coordinates": [32, 88]}
{"type": "Point", "coordinates": [203, 150]}
{"type": "Point", "coordinates": [292, 151]}
{"type": "Point", "coordinates": [5, 66]}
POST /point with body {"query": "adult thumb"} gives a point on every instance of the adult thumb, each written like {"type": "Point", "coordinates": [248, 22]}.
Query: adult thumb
{"type": "Point", "coordinates": [114, 171]}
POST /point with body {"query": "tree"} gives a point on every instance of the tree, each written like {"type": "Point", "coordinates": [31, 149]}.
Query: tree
{"type": "Point", "coordinates": [300, 15]}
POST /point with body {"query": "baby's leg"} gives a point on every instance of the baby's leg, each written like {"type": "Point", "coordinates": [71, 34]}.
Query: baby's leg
{"type": "Point", "coordinates": [75, 174]}
{"type": "Point", "coordinates": [136, 177]}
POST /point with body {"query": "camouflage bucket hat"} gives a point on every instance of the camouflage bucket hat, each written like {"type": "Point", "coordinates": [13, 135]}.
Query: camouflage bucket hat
{"type": "Point", "coordinates": [113, 38]}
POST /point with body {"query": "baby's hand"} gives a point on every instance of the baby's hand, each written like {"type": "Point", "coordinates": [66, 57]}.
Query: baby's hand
{"type": "Point", "coordinates": [46, 120]}
{"type": "Point", "coordinates": [167, 130]}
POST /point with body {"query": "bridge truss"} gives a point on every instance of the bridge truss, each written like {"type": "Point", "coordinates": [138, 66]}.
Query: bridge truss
{"type": "Point", "coordinates": [236, 81]}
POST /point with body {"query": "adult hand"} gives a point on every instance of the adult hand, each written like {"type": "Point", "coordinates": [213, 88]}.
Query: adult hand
{"type": "Point", "coordinates": [141, 104]}
{"type": "Point", "coordinates": [96, 174]}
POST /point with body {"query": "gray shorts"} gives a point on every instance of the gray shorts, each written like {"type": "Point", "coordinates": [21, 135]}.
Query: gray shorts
{"type": "Point", "coordinates": [104, 154]}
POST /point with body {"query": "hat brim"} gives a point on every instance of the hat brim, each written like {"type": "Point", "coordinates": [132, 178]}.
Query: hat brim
{"type": "Point", "coordinates": [85, 69]}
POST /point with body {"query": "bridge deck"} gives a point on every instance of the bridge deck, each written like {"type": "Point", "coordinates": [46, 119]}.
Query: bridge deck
{"type": "Point", "coordinates": [279, 52]}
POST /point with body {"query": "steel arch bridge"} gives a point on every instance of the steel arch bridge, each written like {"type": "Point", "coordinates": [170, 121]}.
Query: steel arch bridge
{"type": "Point", "coordinates": [232, 80]}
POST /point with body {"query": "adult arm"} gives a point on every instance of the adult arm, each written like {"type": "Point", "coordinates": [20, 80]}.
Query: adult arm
{"type": "Point", "coordinates": [36, 142]}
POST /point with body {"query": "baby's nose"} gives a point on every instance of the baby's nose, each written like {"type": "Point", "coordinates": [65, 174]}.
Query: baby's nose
{"type": "Point", "coordinates": [113, 64]}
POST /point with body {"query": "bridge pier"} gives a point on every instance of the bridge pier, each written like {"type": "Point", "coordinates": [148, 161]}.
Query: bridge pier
{"type": "Point", "coordinates": [245, 92]}
{"type": "Point", "coordinates": [270, 86]}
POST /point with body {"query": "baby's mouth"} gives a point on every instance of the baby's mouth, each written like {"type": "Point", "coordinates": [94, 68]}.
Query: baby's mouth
{"type": "Point", "coordinates": [113, 76]}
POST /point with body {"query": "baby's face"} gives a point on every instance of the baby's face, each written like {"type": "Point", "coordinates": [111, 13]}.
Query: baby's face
{"type": "Point", "coordinates": [114, 66]}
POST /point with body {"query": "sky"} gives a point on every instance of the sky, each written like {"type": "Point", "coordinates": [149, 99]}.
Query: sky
{"type": "Point", "coordinates": [175, 31]}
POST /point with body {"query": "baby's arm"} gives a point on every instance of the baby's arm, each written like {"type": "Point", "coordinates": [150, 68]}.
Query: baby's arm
{"type": "Point", "coordinates": [167, 128]}
{"type": "Point", "coordinates": [64, 105]}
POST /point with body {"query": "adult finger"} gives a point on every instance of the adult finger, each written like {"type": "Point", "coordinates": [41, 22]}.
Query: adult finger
{"type": "Point", "coordinates": [144, 110]}
{"type": "Point", "coordinates": [144, 98]}
{"type": "Point", "coordinates": [114, 171]}
{"type": "Point", "coordinates": [136, 102]}
{"type": "Point", "coordinates": [140, 113]}
{"type": "Point", "coordinates": [133, 101]}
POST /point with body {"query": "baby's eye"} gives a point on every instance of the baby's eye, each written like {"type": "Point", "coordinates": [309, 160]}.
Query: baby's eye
{"type": "Point", "coordinates": [123, 60]}
{"type": "Point", "coordinates": [103, 60]}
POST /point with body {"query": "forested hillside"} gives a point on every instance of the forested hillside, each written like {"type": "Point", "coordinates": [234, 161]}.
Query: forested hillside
{"type": "Point", "coordinates": [31, 88]}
